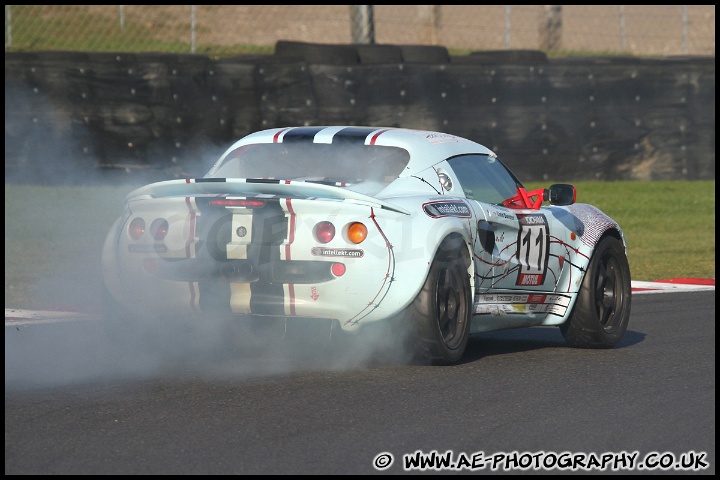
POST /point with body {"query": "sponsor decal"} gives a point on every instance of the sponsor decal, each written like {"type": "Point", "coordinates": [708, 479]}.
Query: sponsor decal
{"type": "Point", "coordinates": [505, 304]}
{"type": "Point", "coordinates": [447, 209]}
{"type": "Point", "coordinates": [533, 220]}
{"type": "Point", "coordinates": [436, 137]}
{"type": "Point", "coordinates": [533, 250]}
{"type": "Point", "coordinates": [532, 280]}
{"type": "Point", "coordinates": [313, 294]}
{"type": "Point", "coordinates": [500, 213]}
{"type": "Point", "coordinates": [336, 252]}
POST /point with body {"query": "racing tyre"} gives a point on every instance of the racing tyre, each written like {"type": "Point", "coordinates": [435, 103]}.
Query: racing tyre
{"type": "Point", "coordinates": [425, 54]}
{"type": "Point", "coordinates": [602, 311]}
{"type": "Point", "coordinates": [441, 312]}
{"type": "Point", "coordinates": [317, 53]}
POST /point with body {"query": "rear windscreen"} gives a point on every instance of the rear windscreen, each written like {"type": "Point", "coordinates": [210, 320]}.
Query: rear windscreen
{"type": "Point", "coordinates": [325, 163]}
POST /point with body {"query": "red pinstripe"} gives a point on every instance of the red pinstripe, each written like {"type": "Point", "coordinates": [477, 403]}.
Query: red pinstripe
{"type": "Point", "coordinates": [291, 239]}
{"type": "Point", "coordinates": [277, 135]}
{"type": "Point", "coordinates": [375, 137]}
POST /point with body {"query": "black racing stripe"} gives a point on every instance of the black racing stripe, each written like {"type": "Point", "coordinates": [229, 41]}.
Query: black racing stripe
{"type": "Point", "coordinates": [353, 135]}
{"type": "Point", "coordinates": [214, 228]}
{"type": "Point", "coordinates": [204, 180]}
{"type": "Point", "coordinates": [301, 134]}
{"type": "Point", "coordinates": [261, 180]}
{"type": "Point", "coordinates": [270, 231]}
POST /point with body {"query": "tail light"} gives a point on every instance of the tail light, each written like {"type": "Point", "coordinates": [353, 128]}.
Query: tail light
{"type": "Point", "coordinates": [159, 229]}
{"type": "Point", "coordinates": [324, 232]}
{"type": "Point", "coordinates": [357, 232]}
{"type": "Point", "coordinates": [136, 229]}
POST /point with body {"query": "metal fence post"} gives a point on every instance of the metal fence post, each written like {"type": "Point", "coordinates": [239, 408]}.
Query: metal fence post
{"type": "Point", "coordinates": [684, 29]}
{"type": "Point", "coordinates": [623, 37]}
{"type": "Point", "coordinates": [508, 25]}
{"type": "Point", "coordinates": [362, 24]}
{"type": "Point", "coordinates": [192, 28]}
{"type": "Point", "coordinates": [551, 28]}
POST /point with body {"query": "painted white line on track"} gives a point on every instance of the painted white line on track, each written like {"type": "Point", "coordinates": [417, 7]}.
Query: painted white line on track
{"type": "Point", "coordinates": [16, 317]}
{"type": "Point", "coordinates": [665, 287]}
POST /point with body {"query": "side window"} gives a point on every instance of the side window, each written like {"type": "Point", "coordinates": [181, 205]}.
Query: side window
{"type": "Point", "coordinates": [484, 178]}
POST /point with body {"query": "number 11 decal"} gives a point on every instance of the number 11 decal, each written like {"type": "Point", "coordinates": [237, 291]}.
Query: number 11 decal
{"type": "Point", "coordinates": [533, 249]}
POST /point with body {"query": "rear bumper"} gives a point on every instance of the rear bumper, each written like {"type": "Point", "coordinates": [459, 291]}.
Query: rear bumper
{"type": "Point", "coordinates": [273, 272]}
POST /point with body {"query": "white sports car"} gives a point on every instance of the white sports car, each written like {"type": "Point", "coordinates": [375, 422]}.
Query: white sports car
{"type": "Point", "coordinates": [342, 227]}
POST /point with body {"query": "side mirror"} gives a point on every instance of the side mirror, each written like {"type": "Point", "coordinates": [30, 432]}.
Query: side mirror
{"type": "Point", "coordinates": [560, 194]}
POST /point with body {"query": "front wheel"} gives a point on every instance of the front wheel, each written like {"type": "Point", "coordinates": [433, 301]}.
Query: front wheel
{"type": "Point", "coordinates": [602, 311]}
{"type": "Point", "coordinates": [440, 314]}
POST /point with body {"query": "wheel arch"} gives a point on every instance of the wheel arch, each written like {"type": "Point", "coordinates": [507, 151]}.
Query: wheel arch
{"type": "Point", "coordinates": [456, 240]}
{"type": "Point", "coordinates": [616, 233]}
{"type": "Point", "coordinates": [612, 232]}
{"type": "Point", "coordinates": [601, 310]}
{"type": "Point", "coordinates": [440, 315]}
{"type": "Point", "coordinates": [413, 271]}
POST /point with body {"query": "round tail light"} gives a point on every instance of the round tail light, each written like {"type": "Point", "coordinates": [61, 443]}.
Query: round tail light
{"type": "Point", "coordinates": [324, 232]}
{"type": "Point", "coordinates": [159, 229]}
{"type": "Point", "coordinates": [338, 269]}
{"type": "Point", "coordinates": [357, 232]}
{"type": "Point", "coordinates": [136, 229]}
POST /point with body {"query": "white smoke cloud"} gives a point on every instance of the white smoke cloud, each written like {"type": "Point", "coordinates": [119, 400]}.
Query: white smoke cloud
{"type": "Point", "coordinates": [55, 224]}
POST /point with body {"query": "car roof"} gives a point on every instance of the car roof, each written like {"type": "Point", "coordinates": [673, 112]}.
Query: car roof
{"type": "Point", "coordinates": [426, 147]}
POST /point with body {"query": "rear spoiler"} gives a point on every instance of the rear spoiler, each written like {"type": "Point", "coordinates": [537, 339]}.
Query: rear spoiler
{"type": "Point", "coordinates": [248, 186]}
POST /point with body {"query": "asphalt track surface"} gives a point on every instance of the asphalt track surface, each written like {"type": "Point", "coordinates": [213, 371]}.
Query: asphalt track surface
{"type": "Point", "coordinates": [74, 404]}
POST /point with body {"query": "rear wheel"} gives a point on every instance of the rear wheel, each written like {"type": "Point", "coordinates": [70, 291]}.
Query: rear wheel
{"type": "Point", "coordinates": [441, 312]}
{"type": "Point", "coordinates": [602, 311]}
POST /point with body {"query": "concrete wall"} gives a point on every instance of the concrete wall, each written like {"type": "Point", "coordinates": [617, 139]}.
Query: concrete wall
{"type": "Point", "coordinates": [72, 116]}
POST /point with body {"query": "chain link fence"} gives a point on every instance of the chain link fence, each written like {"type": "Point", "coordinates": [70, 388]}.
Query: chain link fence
{"type": "Point", "coordinates": [227, 30]}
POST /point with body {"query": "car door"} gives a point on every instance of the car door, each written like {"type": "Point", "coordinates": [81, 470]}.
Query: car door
{"type": "Point", "coordinates": [516, 246]}
{"type": "Point", "coordinates": [512, 247]}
